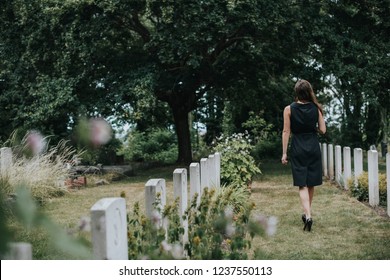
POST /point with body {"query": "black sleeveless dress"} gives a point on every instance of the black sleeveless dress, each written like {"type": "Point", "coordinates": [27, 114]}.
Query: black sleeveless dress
{"type": "Point", "coordinates": [305, 155]}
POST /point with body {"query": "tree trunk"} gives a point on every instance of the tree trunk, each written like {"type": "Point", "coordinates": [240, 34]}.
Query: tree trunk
{"type": "Point", "coordinates": [180, 116]}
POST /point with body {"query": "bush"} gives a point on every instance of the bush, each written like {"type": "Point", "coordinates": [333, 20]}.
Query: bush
{"type": "Point", "coordinates": [105, 155]}
{"type": "Point", "coordinates": [361, 190]}
{"type": "Point", "coordinates": [267, 144]}
{"type": "Point", "coordinates": [267, 148]}
{"type": "Point", "coordinates": [159, 145]}
{"type": "Point", "coordinates": [238, 166]}
{"type": "Point", "coordinates": [220, 227]}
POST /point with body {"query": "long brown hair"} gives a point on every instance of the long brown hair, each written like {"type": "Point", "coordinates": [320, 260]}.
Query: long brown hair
{"type": "Point", "coordinates": [304, 92]}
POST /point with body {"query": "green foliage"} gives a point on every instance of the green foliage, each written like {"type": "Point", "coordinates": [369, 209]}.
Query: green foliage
{"type": "Point", "coordinates": [360, 191]}
{"type": "Point", "coordinates": [267, 143]}
{"type": "Point", "coordinates": [238, 166]}
{"type": "Point", "coordinates": [101, 155]}
{"type": "Point", "coordinates": [257, 126]}
{"type": "Point", "coordinates": [268, 148]}
{"type": "Point", "coordinates": [220, 227]}
{"type": "Point", "coordinates": [146, 236]}
{"type": "Point", "coordinates": [344, 31]}
{"type": "Point", "coordinates": [158, 145]}
{"type": "Point", "coordinates": [152, 62]}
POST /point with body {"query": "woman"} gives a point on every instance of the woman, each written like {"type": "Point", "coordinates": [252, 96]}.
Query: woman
{"type": "Point", "coordinates": [304, 118]}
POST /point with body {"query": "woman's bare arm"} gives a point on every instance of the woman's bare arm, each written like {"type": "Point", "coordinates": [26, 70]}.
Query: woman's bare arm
{"type": "Point", "coordinates": [321, 123]}
{"type": "Point", "coordinates": [286, 132]}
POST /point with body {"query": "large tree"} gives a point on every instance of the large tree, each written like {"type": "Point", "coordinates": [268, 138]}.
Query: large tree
{"type": "Point", "coordinates": [63, 59]}
{"type": "Point", "coordinates": [353, 51]}
{"type": "Point", "coordinates": [98, 56]}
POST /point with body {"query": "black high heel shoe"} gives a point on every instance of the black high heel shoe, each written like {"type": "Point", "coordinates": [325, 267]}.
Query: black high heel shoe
{"type": "Point", "coordinates": [308, 224]}
{"type": "Point", "coordinates": [304, 218]}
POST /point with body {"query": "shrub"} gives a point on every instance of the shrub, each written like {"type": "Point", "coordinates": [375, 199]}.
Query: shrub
{"type": "Point", "coordinates": [105, 155]}
{"type": "Point", "coordinates": [238, 166]}
{"type": "Point", "coordinates": [360, 191]}
{"type": "Point", "coordinates": [159, 145]}
{"type": "Point", "coordinates": [220, 227]}
{"type": "Point", "coordinates": [267, 148]}
{"type": "Point", "coordinates": [267, 144]}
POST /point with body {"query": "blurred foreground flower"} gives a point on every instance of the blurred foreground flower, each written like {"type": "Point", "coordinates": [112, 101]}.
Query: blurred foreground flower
{"type": "Point", "coordinates": [35, 143]}
{"type": "Point", "coordinates": [100, 131]}
{"type": "Point", "coordinates": [175, 250]}
{"type": "Point", "coordinates": [269, 224]}
{"type": "Point", "coordinates": [95, 132]}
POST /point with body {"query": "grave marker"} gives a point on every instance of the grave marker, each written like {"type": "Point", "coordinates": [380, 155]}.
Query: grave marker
{"type": "Point", "coordinates": [338, 166]}
{"type": "Point", "coordinates": [357, 164]}
{"type": "Point", "coordinates": [324, 160]}
{"type": "Point", "coordinates": [373, 182]}
{"type": "Point", "coordinates": [19, 251]}
{"type": "Point", "coordinates": [212, 171]}
{"type": "Point", "coordinates": [217, 157]}
{"type": "Point", "coordinates": [152, 188]}
{"type": "Point", "coordinates": [195, 181]}
{"type": "Point", "coordinates": [109, 229]}
{"type": "Point", "coordinates": [180, 191]}
{"type": "Point", "coordinates": [204, 174]}
{"type": "Point", "coordinates": [330, 162]}
{"type": "Point", "coordinates": [347, 166]}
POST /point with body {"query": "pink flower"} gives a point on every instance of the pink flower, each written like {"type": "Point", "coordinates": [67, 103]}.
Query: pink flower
{"type": "Point", "coordinates": [100, 131]}
{"type": "Point", "coordinates": [35, 142]}
{"type": "Point", "coordinates": [268, 223]}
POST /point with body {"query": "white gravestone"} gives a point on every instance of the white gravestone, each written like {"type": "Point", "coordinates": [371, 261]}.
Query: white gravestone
{"type": "Point", "coordinates": [373, 182]}
{"type": "Point", "coordinates": [180, 191]}
{"type": "Point", "coordinates": [152, 188]}
{"type": "Point", "coordinates": [324, 160]}
{"type": "Point", "coordinates": [338, 166]}
{"type": "Point", "coordinates": [195, 182]}
{"type": "Point", "coordinates": [347, 166]}
{"type": "Point", "coordinates": [204, 174]}
{"type": "Point", "coordinates": [330, 162]}
{"type": "Point", "coordinates": [217, 157]}
{"type": "Point", "coordinates": [357, 164]}
{"type": "Point", "coordinates": [212, 173]}
{"type": "Point", "coordinates": [19, 251]}
{"type": "Point", "coordinates": [109, 229]}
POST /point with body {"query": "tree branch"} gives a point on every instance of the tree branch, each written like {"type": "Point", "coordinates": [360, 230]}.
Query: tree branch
{"type": "Point", "coordinates": [226, 43]}
{"type": "Point", "coordinates": [139, 28]}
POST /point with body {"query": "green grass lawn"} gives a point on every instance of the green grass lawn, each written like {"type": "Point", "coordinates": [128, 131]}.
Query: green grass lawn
{"type": "Point", "coordinates": [343, 227]}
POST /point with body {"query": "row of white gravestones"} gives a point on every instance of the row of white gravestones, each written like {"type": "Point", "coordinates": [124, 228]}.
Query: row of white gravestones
{"type": "Point", "coordinates": [108, 215]}
{"type": "Point", "coordinates": [336, 166]}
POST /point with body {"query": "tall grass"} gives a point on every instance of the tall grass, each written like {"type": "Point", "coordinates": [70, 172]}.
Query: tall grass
{"type": "Point", "coordinates": [44, 174]}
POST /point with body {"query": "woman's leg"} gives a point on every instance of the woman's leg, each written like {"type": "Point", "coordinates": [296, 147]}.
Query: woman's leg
{"type": "Point", "coordinates": [304, 194]}
{"type": "Point", "coordinates": [311, 194]}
